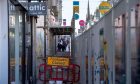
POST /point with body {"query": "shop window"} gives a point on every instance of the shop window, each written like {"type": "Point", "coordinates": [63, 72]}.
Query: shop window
{"type": "Point", "coordinates": [15, 36]}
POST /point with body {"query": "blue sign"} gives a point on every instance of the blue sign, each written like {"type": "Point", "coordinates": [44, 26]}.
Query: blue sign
{"type": "Point", "coordinates": [76, 16]}
{"type": "Point", "coordinates": [76, 3]}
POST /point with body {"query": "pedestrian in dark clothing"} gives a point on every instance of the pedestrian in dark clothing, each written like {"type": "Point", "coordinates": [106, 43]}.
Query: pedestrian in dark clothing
{"type": "Point", "coordinates": [59, 45]}
{"type": "Point", "coordinates": [64, 45]}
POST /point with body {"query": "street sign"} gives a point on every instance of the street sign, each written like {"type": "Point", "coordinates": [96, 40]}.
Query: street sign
{"type": "Point", "coordinates": [79, 30]}
{"type": "Point", "coordinates": [76, 9]}
{"type": "Point", "coordinates": [58, 61]}
{"type": "Point", "coordinates": [104, 7]}
{"type": "Point", "coordinates": [82, 23]}
{"type": "Point", "coordinates": [76, 16]}
{"type": "Point", "coordinates": [82, 27]}
{"type": "Point", "coordinates": [75, 3]}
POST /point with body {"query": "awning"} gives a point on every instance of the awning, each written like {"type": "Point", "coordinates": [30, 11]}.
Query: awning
{"type": "Point", "coordinates": [62, 30]}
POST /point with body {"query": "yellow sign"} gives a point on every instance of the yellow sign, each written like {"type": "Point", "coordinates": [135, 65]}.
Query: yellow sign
{"type": "Point", "coordinates": [58, 61]}
{"type": "Point", "coordinates": [76, 9]}
{"type": "Point", "coordinates": [104, 7]}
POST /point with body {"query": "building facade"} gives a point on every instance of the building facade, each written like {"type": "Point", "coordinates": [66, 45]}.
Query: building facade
{"type": "Point", "coordinates": [17, 52]}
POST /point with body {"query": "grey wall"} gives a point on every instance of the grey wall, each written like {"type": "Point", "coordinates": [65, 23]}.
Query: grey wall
{"type": "Point", "coordinates": [3, 42]}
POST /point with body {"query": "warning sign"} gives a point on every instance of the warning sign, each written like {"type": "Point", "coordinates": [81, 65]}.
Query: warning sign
{"type": "Point", "coordinates": [76, 9]}
{"type": "Point", "coordinates": [104, 7]}
{"type": "Point", "coordinates": [58, 61]}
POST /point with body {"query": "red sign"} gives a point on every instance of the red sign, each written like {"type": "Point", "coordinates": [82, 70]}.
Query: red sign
{"type": "Point", "coordinates": [82, 23]}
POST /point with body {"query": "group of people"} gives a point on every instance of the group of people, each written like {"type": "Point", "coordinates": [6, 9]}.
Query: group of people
{"type": "Point", "coordinates": [62, 45]}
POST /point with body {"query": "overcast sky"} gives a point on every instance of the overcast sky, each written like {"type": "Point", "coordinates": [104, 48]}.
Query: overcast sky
{"type": "Point", "coordinates": [68, 8]}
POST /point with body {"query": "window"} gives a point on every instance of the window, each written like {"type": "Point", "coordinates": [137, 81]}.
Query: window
{"type": "Point", "coordinates": [15, 42]}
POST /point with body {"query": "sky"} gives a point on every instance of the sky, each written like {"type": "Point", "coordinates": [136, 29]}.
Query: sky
{"type": "Point", "coordinates": [67, 10]}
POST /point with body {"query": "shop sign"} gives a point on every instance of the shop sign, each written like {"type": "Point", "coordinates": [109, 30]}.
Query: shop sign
{"type": "Point", "coordinates": [104, 7]}
{"type": "Point", "coordinates": [58, 61]}
{"type": "Point", "coordinates": [36, 8]}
